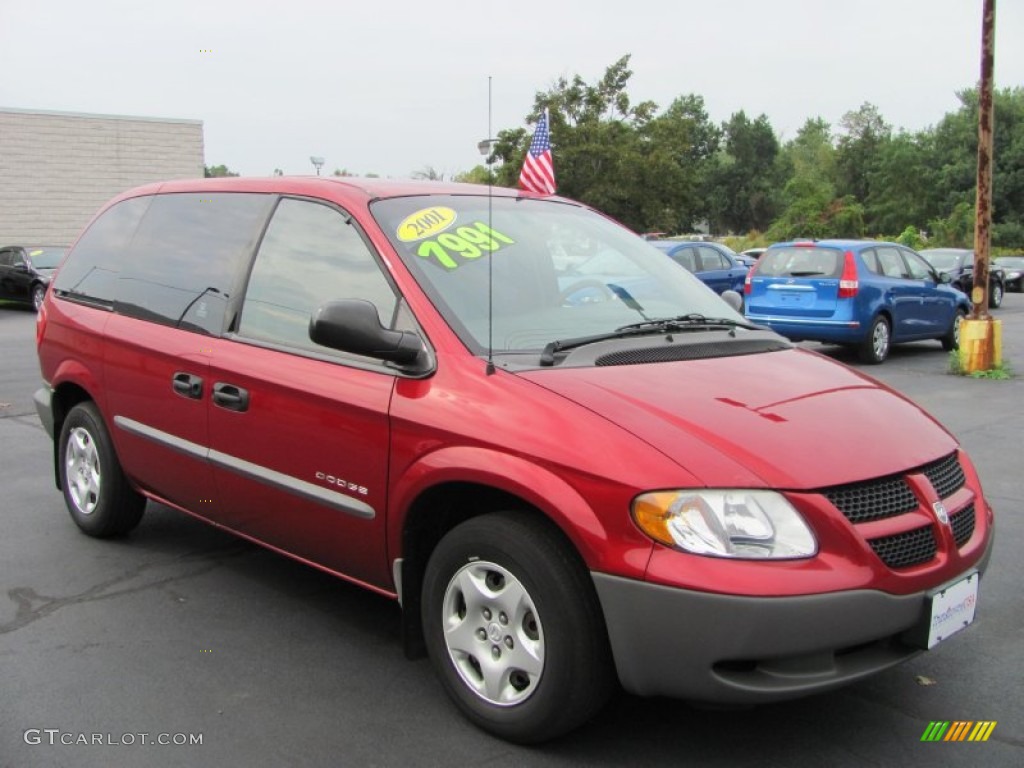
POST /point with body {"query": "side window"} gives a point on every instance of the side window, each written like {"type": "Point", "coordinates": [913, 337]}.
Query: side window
{"type": "Point", "coordinates": [686, 258]}
{"type": "Point", "coordinates": [311, 254]}
{"type": "Point", "coordinates": [712, 259]}
{"type": "Point", "coordinates": [870, 259]}
{"type": "Point", "coordinates": [916, 266]}
{"type": "Point", "coordinates": [188, 255]}
{"type": "Point", "coordinates": [892, 264]}
{"type": "Point", "coordinates": [6, 258]}
{"type": "Point", "coordinates": [91, 270]}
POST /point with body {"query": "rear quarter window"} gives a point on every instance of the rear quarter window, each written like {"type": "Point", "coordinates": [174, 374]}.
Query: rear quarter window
{"type": "Point", "coordinates": [801, 262]}
{"type": "Point", "coordinates": [188, 257]}
{"type": "Point", "coordinates": [92, 268]}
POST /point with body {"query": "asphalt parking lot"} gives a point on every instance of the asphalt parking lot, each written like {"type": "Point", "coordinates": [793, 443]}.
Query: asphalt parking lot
{"type": "Point", "coordinates": [182, 631]}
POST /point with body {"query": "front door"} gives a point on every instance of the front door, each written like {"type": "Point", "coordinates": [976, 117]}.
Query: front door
{"type": "Point", "coordinates": [299, 434]}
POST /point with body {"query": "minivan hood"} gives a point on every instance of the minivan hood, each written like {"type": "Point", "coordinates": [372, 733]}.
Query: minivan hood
{"type": "Point", "coordinates": [792, 419]}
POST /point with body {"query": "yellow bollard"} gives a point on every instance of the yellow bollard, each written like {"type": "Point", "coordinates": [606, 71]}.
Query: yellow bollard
{"type": "Point", "coordinates": [981, 345]}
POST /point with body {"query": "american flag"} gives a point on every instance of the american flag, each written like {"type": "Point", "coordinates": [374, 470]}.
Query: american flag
{"type": "Point", "coordinates": [538, 171]}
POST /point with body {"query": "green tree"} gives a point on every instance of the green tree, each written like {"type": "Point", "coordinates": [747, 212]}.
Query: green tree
{"type": "Point", "coordinates": [862, 133]}
{"type": "Point", "coordinates": [217, 171]}
{"type": "Point", "coordinates": [743, 185]}
{"type": "Point", "coordinates": [428, 173]}
{"type": "Point", "coordinates": [956, 153]}
{"type": "Point", "coordinates": [902, 184]}
{"type": "Point", "coordinates": [617, 155]}
{"type": "Point", "coordinates": [479, 174]}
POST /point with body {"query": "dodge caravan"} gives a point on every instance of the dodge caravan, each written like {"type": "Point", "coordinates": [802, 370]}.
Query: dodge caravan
{"type": "Point", "coordinates": [569, 480]}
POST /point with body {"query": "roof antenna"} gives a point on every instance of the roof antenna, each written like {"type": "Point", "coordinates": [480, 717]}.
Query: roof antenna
{"type": "Point", "coordinates": [490, 228]}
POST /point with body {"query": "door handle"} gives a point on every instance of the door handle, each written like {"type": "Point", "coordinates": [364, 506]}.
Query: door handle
{"type": "Point", "coordinates": [230, 397]}
{"type": "Point", "coordinates": [187, 385]}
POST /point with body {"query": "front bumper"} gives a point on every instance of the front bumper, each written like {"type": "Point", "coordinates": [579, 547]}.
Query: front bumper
{"type": "Point", "coordinates": [729, 649]}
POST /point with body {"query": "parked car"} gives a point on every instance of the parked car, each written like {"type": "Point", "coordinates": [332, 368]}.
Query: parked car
{"type": "Point", "coordinates": [714, 264]}
{"type": "Point", "coordinates": [866, 294]}
{"type": "Point", "coordinates": [750, 256]}
{"type": "Point", "coordinates": [958, 263]}
{"type": "Point", "coordinates": [25, 272]}
{"type": "Point", "coordinates": [1013, 268]}
{"type": "Point", "coordinates": [385, 380]}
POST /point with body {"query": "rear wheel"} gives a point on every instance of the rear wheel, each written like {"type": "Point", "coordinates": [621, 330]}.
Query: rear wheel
{"type": "Point", "coordinates": [513, 628]}
{"type": "Point", "coordinates": [97, 493]}
{"type": "Point", "coordinates": [995, 295]}
{"type": "Point", "coordinates": [951, 340]}
{"type": "Point", "coordinates": [875, 346]}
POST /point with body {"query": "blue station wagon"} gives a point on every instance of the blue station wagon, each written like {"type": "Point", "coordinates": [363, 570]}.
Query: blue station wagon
{"type": "Point", "coordinates": [866, 294]}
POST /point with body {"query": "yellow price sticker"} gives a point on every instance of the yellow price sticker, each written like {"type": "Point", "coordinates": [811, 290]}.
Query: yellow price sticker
{"type": "Point", "coordinates": [425, 223]}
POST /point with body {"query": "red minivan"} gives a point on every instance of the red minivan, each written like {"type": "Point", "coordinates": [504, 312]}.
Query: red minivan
{"type": "Point", "coordinates": [571, 462]}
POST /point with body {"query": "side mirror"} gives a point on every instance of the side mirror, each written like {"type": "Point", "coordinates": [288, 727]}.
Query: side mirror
{"type": "Point", "coordinates": [352, 325]}
{"type": "Point", "coordinates": [734, 300]}
{"type": "Point", "coordinates": [944, 278]}
{"type": "Point", "coordinates": [21, 266]}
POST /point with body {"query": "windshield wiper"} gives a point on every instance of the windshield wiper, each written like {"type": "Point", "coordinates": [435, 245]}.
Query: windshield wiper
{"type": "Point", "coordinates": [688, 322]}
{"type": "Point", "coordinates": [691, 322]}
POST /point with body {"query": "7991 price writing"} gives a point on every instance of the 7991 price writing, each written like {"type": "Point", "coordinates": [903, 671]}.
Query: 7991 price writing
{"type": "Point", "coordinates": [467, 242]}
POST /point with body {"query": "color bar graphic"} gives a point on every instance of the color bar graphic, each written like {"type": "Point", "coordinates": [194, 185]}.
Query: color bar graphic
{"type": "Point", "coordinates": [958, 730]}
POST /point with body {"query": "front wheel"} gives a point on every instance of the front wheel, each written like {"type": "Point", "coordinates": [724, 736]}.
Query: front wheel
{"type": "Point", "coordinates": [875, 346]}
{"type": "Point", "coordinates": [951, 340]}
{"type": "Point", "coordinates": [97, 493]}
{"type": "Point", "coordinates": [513, 628]}
{"type": "Point", "coordinates": [38, 293]}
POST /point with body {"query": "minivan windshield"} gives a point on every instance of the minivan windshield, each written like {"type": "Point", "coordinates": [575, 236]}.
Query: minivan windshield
{"type": "Point", "coordinates": [558, 270]}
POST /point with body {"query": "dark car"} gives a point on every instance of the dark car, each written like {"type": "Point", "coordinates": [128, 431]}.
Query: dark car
{"type": "Point", "coordinates": [1013, 266]}
{"type": "Point", "coordinates": [863, 293]}
{"type": "Point", "coordinates": [958, 263]}
{"type": "Point", "coordinates": [25, 272]}
{"type": "Point", "coordinates": [749, 257]}
{"type": "Point", "coordinates": [716, 265]}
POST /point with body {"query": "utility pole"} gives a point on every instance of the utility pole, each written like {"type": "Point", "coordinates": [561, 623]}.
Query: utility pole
{"type": "Point", "coordinates": [983, 198]}
{"type": "Point", "coordinates": [981, 339]}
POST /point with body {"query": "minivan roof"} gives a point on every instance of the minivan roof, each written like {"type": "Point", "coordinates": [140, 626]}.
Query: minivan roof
{"type": "Point", "coordinates": [354, 186]}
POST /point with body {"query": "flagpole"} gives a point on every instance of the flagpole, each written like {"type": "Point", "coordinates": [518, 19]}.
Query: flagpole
{"type": "Point", "coordinates": [490, 224]}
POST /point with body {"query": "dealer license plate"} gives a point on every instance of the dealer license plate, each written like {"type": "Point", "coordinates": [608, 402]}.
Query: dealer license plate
{"type": "Point", "coordinates": [952, 609]}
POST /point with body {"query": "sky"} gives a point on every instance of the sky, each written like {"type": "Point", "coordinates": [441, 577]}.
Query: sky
{"type": "Point", "coordinates": [394, 87]}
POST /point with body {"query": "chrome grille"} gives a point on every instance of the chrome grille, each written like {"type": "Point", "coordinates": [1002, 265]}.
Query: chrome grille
{"type": "Point", "coordinates": [906, 549]}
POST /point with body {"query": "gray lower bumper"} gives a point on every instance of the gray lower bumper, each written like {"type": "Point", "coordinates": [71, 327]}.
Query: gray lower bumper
{"type": "Point", "coordinates": [740, 650]}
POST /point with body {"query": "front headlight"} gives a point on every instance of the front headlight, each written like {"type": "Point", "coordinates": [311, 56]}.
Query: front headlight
{"type": "Point", "coordinates": [753, 525]}
{"type": "Point", "coordinates": [1012, 275]}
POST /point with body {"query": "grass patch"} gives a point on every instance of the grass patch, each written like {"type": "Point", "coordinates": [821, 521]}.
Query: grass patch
{"type": "Point", "coordinates": [1001, 372]}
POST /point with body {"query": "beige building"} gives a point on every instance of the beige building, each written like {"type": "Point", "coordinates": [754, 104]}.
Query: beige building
{"type": "Point", "coordinates": [58, 168]}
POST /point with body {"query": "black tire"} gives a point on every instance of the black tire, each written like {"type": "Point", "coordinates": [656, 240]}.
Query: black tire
{"type": "Point", "coordinates": [876, 344]}
{"type": "Point", "coordinates": [995, 295]}
{"type": "Point", "coordinates": [549, 660]}
{"type": "Point", "coordinates": [951, 340]}
{"type": "Point", "coordinates": [97, 494]}
{"type": "Point", "coordinates": [38, 292]}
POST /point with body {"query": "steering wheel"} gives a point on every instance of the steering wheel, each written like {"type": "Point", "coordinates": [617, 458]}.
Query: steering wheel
{"type": "Point", "coordinates": [606, 293]}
